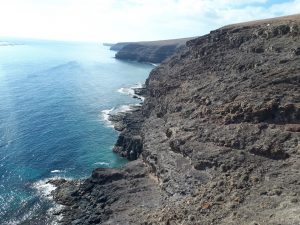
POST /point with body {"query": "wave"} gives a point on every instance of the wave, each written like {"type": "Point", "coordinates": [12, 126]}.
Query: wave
{"type": "Point", "coordinates": [127, 91]}
{"type": "Point", "coordinates": [131, 91]}
{"type": "Point", "coordinates": [37, 214]}
{"type": "Point", "coordinates": [102, 163]}
{"type": "Point", "coordinates": [126, 108]}
{"type": "Point", "coordinates": [105, 116]}
{"type": "Point", "coordinates": [58, 171]}
{"type": "Point", "coordinates": [44, 190]}
{"type": "Point", "coordinates": [154, 64]}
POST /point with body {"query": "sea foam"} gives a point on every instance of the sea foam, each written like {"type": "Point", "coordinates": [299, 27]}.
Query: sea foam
{"type": "Point", "coordinates": [58, 171]}
{"type": "Point", "coordinates": [130, 91]}
{"type": "Point", "coordinates": [44, 188]}
{"type": "Point", "coordinates": [102, 163]}
{"type": "Point", "coordinates": [105, 116]}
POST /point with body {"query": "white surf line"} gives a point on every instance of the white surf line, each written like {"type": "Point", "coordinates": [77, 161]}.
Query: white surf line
{"type": "Point", "coordinates": [44, 190]}
{"type": "Point", "coordinates": [105, 116]}
{"type": "Point", "coordinates": [57, 171]}
{"type": "Point", "coordinates": [130, 91]}
{"type": "Point", "coordinates": [102, 163]}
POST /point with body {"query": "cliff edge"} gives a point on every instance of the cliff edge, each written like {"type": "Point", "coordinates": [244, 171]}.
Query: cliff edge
{"type": "Point", "coordinates": [215, 142]}
{"type": "Point", "coordinates": [148, 51]}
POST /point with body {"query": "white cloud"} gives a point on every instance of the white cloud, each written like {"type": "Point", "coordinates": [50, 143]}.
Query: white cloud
{"type": "Point", "coordinates": [124, 20]}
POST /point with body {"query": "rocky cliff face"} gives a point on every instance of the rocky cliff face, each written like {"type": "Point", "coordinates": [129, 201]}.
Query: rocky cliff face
{"type": "Point", "coordinates": [216, 140]}
{"type": "Point", "coordinates": [151, 51]}
{"type": "Point", "coordinates": [118, 46]}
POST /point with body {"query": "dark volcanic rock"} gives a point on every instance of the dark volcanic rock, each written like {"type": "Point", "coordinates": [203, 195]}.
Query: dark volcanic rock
{"type": "Point", "coordinates": [110, 196]}
{"type": "Point", "coordinates": [142, 53]}
{"type": "Point", "coordinates": [217, 138]}
{"type": "Point", "coordinates": [129, 143]}
{"type": "Point", "coordinates": [152, 51]}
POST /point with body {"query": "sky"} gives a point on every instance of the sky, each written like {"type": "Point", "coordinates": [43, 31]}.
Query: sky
{"type": "Point", "coordinates": [130, 20]}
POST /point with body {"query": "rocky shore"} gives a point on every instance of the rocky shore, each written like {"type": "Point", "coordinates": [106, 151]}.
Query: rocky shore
{"type": "Point", "coordinates": [215, 142]}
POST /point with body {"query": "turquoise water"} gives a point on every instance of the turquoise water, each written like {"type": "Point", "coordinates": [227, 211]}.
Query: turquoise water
{"type": "Point", "coordinates": [53, 96]}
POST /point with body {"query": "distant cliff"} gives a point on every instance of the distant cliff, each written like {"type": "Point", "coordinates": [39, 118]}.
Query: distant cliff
{"type": "Point", "coordinates": [152, 51]}
{"type": "Point", "coordinates": [108, 44]}
{"type": "Point", "coordinates": [215, 142]}
{"type": "Point", "coordinates": [119, 46]}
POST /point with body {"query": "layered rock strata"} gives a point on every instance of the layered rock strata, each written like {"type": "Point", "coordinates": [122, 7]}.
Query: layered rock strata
{"type": "Point", "coordinates": [215, 142]}
{"type": "Point", "coordinates": [149, 51]}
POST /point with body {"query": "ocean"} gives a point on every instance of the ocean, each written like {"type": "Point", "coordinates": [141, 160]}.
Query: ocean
{"type": "Point", "coordinates": [54, 102]}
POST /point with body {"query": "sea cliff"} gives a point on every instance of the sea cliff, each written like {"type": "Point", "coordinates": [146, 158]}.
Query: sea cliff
{"type": "Point", "coordinates": [215, 142]}
{"type": "Point", "coordinates": [149, 51]}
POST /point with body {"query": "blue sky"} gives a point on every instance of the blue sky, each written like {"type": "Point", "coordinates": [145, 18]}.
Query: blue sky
{"type": "Point", "coordinates": [130, 20]}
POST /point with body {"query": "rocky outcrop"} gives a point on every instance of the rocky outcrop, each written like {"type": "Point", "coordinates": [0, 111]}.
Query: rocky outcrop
{"type": "Point", "coordinates": [107, 193]}
{"type": "Point", "coordinates": [151, 51]}
{"type": "Point", "coordinates": [216, 140]}
{"type": "Point", "coordinates": [129, 143]}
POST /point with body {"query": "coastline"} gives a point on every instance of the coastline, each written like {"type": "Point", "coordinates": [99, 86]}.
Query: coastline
{"type": "Point", "coordinates": [129, 142]}
{"type": "Point", "coordinates": [212, 141]}
{"type": "Point", "coordinates": [114, 116]}
{"type": "Point", "coordinates": [153, 52]}
{"type": "Point", "coordinates": [62, 128]}
{"type": "Point", "coordinates": [120, 119]}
